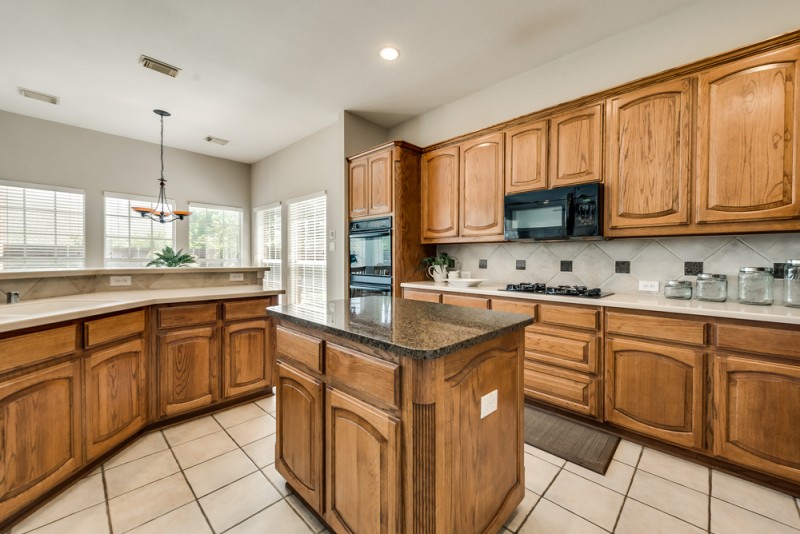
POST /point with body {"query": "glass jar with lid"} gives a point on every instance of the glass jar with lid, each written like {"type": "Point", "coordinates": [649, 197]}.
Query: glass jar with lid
{"type": "Point", "coordinates": [791, 283]}
{"type": "Point", "coordinates": [755, 285]}
{"type": "Point", "coordinates": [678, 289]}
{"type": "Point", "coordinates": [713, 287]}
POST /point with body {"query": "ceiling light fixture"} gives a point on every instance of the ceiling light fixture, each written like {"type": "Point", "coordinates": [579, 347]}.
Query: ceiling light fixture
{"type": "Point", "coordinates": [389, 53]}
{"type": "Point", "coordinates": [36, 95]}
{"type": "Point", "coordinates": [161, 212]}
{"type": "Point", "coordinates": [158, 66]}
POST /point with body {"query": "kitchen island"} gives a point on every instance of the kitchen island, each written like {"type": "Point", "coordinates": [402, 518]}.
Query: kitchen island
{"type": "Point", "coordinates": [401, 416]}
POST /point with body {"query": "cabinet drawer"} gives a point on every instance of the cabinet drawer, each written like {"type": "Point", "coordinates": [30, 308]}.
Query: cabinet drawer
{"type": "Point", "coordinates": [662, 328]}
{"type": "Point", "coordinates": [783, 343]}
{"type": "Point", "coordinates": [463, 300]}
{"type": "Point", "coordinates": [246, 309]}
{"type": "Point", "coordinates": [300, 348]}
{"type": "Point", "coordinates": [111, 328]}
{"type": "Point", "coordinates": [426, 296]}
{"type": "Point", "coordinates": [187, 315]}
{"type": "Point", "coordinates": [360, 372]}
{"type": "Point", "coordinates": [567, 389]}
{"type": "Point", "coordinates": [574, 317]}
{"type": "Point", "coordinates": [572, 350]}
{"type": "Point", "coordinates": [513, 306]}
{"type": "Point", "coordinates": [32, 348]}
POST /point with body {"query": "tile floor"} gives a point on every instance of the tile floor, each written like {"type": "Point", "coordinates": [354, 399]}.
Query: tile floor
{"type": "Point", "coordinates": [217, 474]}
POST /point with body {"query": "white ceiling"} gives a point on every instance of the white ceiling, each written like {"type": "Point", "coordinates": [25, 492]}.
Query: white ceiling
{"type": "Point", "coordinates": [265, 73]}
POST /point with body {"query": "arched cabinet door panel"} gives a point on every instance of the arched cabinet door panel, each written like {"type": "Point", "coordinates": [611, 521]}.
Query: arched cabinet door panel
{"type": "Point", "coordinates": [481, 187]}
{"type": "Point", "coordinates": [187, 369]}
{"type": "Point", "coordinates": [440, 193]}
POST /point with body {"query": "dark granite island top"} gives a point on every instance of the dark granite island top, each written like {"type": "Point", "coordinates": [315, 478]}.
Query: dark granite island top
{"type": "Point", "coordinates": [419, 330]}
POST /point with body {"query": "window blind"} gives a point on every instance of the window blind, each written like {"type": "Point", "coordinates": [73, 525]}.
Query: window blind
{"type": "Point", "coordinates": [130, 239]}
{"type": "Point", "coordinates": [307, 257]}
{"type": "Point", "coordinates": [41, 228]}
{"type": "Point", "coordinates": [215, 235]}
{"type": "Point", "coordinates": [267, 221]}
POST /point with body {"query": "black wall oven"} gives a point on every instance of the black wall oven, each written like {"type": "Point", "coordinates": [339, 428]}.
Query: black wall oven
{"type": "Point", "coordinates": [371, 257]}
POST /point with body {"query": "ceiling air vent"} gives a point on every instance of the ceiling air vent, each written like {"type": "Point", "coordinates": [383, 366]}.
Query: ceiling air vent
{"type": "Point", "coordinates": [159, 66]}
{"type": "Point", "coordinates": [217, 140]}
{"type": "Point", "coordinates": [50, 99]}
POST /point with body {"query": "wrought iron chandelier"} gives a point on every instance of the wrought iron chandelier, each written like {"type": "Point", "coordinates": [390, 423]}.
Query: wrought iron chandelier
{"type": "Point", "coordinates": [161, 213]}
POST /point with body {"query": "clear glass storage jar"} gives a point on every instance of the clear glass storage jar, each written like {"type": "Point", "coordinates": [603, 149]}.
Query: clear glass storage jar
{"type": "Point", "coordinates": [713, 287]}
{"type": "Point", "coordinates": [678, 289]}
{"type": "Point", "coordinates": [791, 283]}
{"type": "Point", "coordinates": [755, 285]}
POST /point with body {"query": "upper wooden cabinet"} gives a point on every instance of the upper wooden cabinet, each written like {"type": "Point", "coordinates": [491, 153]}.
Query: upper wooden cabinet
{"type": "Point", "coordinates": [648, 158]}
{"type": "Point", "coordinates": [526, 157]}
{"type": "Point", "coordinates": [371, 185]}
{"type": "Point", "coordinates": [576, 146]}
{"type": "Point", "coordinates": [747, 168]}
{"type": "Point", "coordinates": [481, 181]}
{"type": "Point", "coordinates": [440, 194]}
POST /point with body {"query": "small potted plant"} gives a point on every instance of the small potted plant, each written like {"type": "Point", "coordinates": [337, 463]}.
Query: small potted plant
{"type": "Point", "coordinates": [437, 266]}
{"type": "Point", "coordinates": [169, 258]}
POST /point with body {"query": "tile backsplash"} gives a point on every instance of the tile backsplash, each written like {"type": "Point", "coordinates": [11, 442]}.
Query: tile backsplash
{"type": "Point", "coordinates": [598, 263]}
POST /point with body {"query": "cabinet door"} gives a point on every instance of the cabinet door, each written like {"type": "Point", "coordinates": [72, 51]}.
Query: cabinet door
{"type": "Point", "coordinates": [298, 448]}
{"type": "Point", "coordinates": [466, 301]}
{"type": "Point", "coordinates": [245, 362]}
{"type": "Point", "coordinates": [481, 202]}
{"type": "Point", "coordinates": [380, 183]}
{"type": "Point", "coordinates": [359, 187]}
{"type": "Point", "coordinates": [575, 147]}
{"type": "Point", "coordinates": [187, 369]}
{"type": "Point", "coordinates": [440, 194]}
{"type": "Point", "coordinates": [648, 157]}
{"type": "Point", "coordinates": [40, 433]}
{"type": "Point", "coordinates": [756, 414]}
{"type": "Point", "coordinates": [526, 157]}
{"type": "Point", "coordinates": [656, 390]}
{"type": "Point", "coordinates": [746, 158]}
{"type": "Point", "coordinates": [362, 467]}
{"type": "Point", "coordinates": [115, 393]}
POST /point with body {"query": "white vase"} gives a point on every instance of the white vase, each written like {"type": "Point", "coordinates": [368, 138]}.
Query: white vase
{"type": "Point", "coordinates": [438, 273]}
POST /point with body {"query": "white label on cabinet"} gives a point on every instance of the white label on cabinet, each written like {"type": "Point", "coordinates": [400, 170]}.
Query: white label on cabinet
{"type": "Point", "coordinates": [488, 403]}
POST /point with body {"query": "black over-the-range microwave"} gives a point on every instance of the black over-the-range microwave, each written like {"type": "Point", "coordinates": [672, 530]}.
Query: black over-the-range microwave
{"type": "Point", "coordinates": [559, 214]}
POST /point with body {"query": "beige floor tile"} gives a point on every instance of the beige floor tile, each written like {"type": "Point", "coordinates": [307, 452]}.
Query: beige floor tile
{"type": "Point", "coordinates": [191, 430]}
{"type": "Point", "coordinates": [253, 430]}
{"type": "Point", "coordinates": [202, 449]}
{"type": "Point", "coordinates": [628, 452]}
{"type": "Point", "coordinates": [211, 475]}
{"type": "Point", "coordinates": [638, 518]}
{"type": "Point", "coordinates": [279, 513]}
{"type": "Point", "coordinates": [544, 455]}
{"type": "Point", "coordinates": [277, 480]}
{"type": "Point", "coordinates": [764, 501]}
{"type": "Point", "coordinates": [729, 519]}
{"type": "Point", "coordinates": [675, 469]}
{"type": "Point", "coordinates": [262, 452]}
{"type": "Point", "coordinates": [268, 404]}
{"type": "Point", "coordinates": [538, 474]}
{"type": "Point", "coordinates": [670, 497]}
{"type": "Point", "coordinates": [238, 501]}
{"type": "Point", "coordinates": [239, 414]}
{"type": "Point", "coordinates": [523, 510]}
{"type": "Point", "coordinates": [146, 445]}
{"type": "Point", "coordinates": [188, 519]}
{"type": "Point", "coordinates": [308, 516]}
{"type": "Point", "coordinates": [93, 520]}
{"type": "Point", "coordinates": [548, 518]}
{"type": "Point", "coordinates": [140, 472]}
{"type": "Point", "coordinates": [618, 475]}
{"type": "Point", "coordinates": [591, 501]}
{"type": "Point", "coordinates": [84, 494]}
{"type": "Point", "coordinates": [143, 504]}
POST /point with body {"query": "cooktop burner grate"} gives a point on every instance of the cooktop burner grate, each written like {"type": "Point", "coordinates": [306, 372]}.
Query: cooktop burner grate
{"type": "Point", "coordinates": [567, 291]}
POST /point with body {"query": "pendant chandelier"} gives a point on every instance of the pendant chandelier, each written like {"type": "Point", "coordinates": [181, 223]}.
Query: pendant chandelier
{"type": "Point", "coordinates": [161, 213]}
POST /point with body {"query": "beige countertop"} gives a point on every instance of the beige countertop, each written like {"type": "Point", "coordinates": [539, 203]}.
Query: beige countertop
{"type": "Point", "coordinates": [730, 309]}
{"type": "Point", "coordinates": [45, 311]}
{"type": "Point", "coordinates": [53, 273]}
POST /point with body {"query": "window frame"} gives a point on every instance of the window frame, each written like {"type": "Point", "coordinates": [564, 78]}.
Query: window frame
{"type": "Point", "coordinates": [131, 263]}
{"type": "Point", "coordinates": [221, 207]}
{"type": "Point", "coordinates": [290, 259]}
{"type": "Point", "coordinates": [257, 247]}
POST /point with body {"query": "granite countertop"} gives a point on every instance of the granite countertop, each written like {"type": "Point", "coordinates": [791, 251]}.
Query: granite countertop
{"type": "Point", "coordinates": [420, 330]}
{"type": "Point", "coordinates": [46, 311]}
{"type": "Point", "coordinates": [730, 309]}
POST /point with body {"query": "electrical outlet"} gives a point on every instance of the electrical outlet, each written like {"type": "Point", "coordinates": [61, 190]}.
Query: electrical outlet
{"type": "Point", "coordinates": [236, 277]}
{"type": "Point", "coordinates": [119, 281]}
{"type": "Point", "coordinates": [648, 286]}
{"type": "Point", "coordinates": [488, 403]}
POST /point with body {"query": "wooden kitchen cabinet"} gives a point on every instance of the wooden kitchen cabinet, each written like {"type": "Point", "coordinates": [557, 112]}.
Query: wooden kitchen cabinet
{"type": "Point", "coordinates": [187, 369]}
{"type": "Point", "coordinates": [576, 146]}
{"type": "Point", "coordinates": [440, 198]}
{"type": "Point", "coordinates": [371, 185]}
{"type": "Point", "coordinates": [425, 296]}
{"type": "Point", "coordinates": [573, 391]}
{"type": "Point", "coordinates": [246, 365]}
{"type": "Point", "coordinates": [648, 160]}
{"type": "Point", "coordinates": [526, 157]}
{"type": "Point", "coordinates": [465, 300]}
{"type": "Point", "coordinates": [481, 187]}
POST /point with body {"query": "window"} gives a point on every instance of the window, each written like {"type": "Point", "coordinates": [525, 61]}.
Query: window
{"type": "Point", "coordinates": [307, 269]}
{"type": "Point", "coordinates": [267, 251]}
{"type": "Point", "coordinates": [132, 240]}
{"type": "Point", "coordinates": [215, 235]}
{"type": "Point", "coordinates": [41, 227]}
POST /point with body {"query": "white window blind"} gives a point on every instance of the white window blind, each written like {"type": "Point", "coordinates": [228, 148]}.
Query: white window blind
{"type": "Point", "coordinates": [130, 239]}
{"type": "Point", "coordinates": [215, 235]}
{"type": "Point", "coordinates": [267, 222]}
{"type": "Point", "coordinates": [307, 268]}
{"type": "Point", "coordinates": [41, 228]}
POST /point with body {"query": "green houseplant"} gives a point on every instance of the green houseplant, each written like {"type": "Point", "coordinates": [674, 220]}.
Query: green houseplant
{"type": "Point", "coordinates": [442, 259]}
{"type": "Point", "coordinates": [169, 258]}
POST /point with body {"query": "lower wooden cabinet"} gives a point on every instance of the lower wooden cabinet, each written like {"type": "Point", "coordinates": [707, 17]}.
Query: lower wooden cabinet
{"type": "Point", "coordinates": [187, 369]}
{"type": "Point", "coordinates": [245, 363]}
{"type": "Point", "coordinates": [425, 296]}
{"type": "Point", "coordinates": [466, 301]}
{"type": "Point", "coordinates": [566, 389]}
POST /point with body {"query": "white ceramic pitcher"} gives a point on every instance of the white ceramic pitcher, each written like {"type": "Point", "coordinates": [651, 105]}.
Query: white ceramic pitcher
{"type": "Point", "coordinates": [438, 273]}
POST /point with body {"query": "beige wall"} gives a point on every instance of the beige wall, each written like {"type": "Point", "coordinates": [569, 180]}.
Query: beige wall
{"type": "Point", "coordinates": [44, 152]}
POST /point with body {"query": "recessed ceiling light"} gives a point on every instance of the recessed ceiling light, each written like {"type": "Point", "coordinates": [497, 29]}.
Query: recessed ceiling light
{"type": "Point", "coordinates": [158, 66]}
{"type": "Point", "coordinates": [389, 53]}
{"type": "Point", "coordinates": [217, 140]}
{"type": "Point", "coordinates": [36, 95]}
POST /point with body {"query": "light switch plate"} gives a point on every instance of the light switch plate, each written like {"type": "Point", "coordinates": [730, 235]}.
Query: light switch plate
{"type": "Point", "coordinates": [236, 277]}
{"type": "Point", "coordinates": [119, 281]}
{"type": "Point", "coordinates": [488, 403]}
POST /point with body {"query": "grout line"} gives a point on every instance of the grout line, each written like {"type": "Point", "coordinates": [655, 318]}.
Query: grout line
{"type": "Point", "coordinates": [665, 513]}
{"type": "Point", "coordinates": [758, 513]}
{"type": "Point", "coordinates": [105, 497]}
{"type": "Point", "coordinates": [255, 514]}
{"type": "Point", "coordinates": [630, 484]}
{"type": "Point", "coordinates": [577, 515]}
{"type": "Point", "coordinates": [710, 490]}
{"type": "Point", "coordinates": [196, 500]}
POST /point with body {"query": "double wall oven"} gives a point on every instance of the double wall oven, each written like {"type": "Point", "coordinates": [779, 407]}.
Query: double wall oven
{"type": "Point", "coordinates": [371, 257]}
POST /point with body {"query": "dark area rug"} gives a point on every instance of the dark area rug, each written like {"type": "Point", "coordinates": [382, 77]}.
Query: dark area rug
{"type": "Point", "coordinates": [574, 442]}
